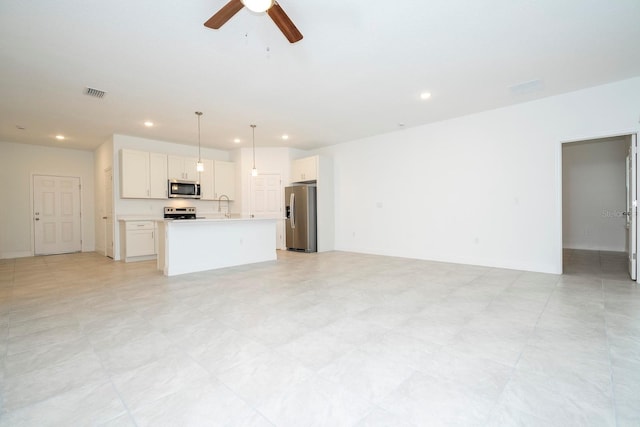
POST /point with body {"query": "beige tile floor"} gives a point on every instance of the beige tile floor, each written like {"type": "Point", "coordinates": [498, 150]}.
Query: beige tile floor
{"type": "Point", "coordinates": [332, 339]}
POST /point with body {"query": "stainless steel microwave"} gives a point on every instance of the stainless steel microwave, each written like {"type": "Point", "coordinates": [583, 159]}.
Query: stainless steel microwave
{"type": "Point", "coordinates": [183, 189]}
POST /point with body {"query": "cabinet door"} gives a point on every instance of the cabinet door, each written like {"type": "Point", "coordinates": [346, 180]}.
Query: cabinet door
{"type": "Point", "coordinates": [134, 174]}
{"type": "Point", "coordinates": [190, 169]}
{"type": "Point", "coordinates": [175, 167]}
{"type": "Point", "coordinates": [158, 176]}
{"type": "Point", "coordinates": [207, 188]}
{"type": "Point", "coordinates": [225, 179]}
{"type": "Point", "coordinates": [311, 169]}
{"type": "Point", "coordinates": [140, 243]}
{"type": "Point", "coordinates": [297, 170]}
{"type": "Point", "coordinates": [305, 170]}
{"type": "Point", "coordinates": [139, 239]}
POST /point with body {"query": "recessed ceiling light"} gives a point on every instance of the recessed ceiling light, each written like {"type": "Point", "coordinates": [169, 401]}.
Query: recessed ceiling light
{"type": "Point", "coordinates": [59, 137]}
{"type": "Point", "coordinates": [425, 95]}
{"type": "Point", "coordinates": [237, 140]}
{"type": "Point", "coordinates": [285, 136]}
{"type": "Point", "coordinates": [148, 123]}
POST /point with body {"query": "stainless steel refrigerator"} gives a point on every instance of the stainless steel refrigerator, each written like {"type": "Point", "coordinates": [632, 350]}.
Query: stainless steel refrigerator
{"type": "Point", "coordinates": [301, 218]}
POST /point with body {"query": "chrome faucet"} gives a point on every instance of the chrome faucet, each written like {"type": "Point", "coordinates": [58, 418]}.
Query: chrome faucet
{"type": "Point", "coordinates": [228, 213]}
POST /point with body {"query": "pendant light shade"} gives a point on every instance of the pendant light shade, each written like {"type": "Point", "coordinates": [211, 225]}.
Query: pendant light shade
{"type": "Point", "coordinates": [199, 165]}
{"type": "Point", "coordinates": [254, 171]}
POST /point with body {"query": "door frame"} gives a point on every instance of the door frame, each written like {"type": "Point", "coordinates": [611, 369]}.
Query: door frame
{"type": "Point", "coordinates": [560, 195]}
{"type": "Point", "coordinates": [104, 219]}
{"type": "Point", "coordinates": [32, 206]}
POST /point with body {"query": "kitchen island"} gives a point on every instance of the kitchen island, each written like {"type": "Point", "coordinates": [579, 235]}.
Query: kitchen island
{"type": "Point", "coordinates": [191, 245]}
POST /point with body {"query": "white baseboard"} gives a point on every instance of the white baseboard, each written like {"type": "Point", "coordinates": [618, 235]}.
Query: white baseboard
{"type": "Point", "coordinates": [21, 254]}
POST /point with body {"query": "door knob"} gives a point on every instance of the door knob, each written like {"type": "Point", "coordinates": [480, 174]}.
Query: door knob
{"type": "Point", "coordinates": [37, 219]}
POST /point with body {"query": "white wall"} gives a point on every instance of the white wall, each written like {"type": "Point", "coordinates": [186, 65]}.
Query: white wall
{"type": "Point", "coordinates": [481, 189]}
{"type": "Point", "coordinates": [18, 162]}
{"type": "Point", "coordinates": [594, 194]}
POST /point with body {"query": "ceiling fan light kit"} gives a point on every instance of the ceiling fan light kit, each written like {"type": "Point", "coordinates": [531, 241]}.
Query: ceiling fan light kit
{"type": "Point", "coordinates": [271, 7]}
{"type": "Point", "coordinates": [257, 6]}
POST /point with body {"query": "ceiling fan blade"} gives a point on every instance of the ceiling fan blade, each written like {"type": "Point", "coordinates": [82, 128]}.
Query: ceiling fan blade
{"type": "Point", "coordinates": [284, 23]}
{"type": "Point", "coordinates": [224, 14]}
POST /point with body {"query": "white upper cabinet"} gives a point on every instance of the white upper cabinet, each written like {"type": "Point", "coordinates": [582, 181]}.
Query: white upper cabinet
{"type": "Point", "coordinates": [134, 174]}
{"type": "Point", "coordinates": [218, 178]}
{"type": "Point", "coordinates": [225, 179]}
{"type": "Point", "coordinates": [182, 168]}
{"type": "Point", "coordinates": [143, 175]}
{"type": "Point", "coordinates": [304, 170]}
{"type": "Point", "coordinates": [207, 189]}
{"type": "Point", "coordinates": [158, 176]}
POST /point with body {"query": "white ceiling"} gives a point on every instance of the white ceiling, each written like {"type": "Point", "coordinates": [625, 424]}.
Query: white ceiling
{"type": "Point", "coordinates": [358, 71]}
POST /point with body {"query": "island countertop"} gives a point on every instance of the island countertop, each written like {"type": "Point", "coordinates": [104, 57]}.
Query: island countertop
{"type": "Point", "coordinates": [205, 219]}
{"type": "Point", "coordinates": [191, 245]}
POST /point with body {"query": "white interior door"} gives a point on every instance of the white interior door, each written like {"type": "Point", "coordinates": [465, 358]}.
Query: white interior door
{"type": "Point", "coordinates": [266, 201]}
{"type": "Point", "coordinates": [108, 213]}
{"type": "Point", "coordinates": [632, 208]}
{"type": "Point", "coordinates": [56, 214]}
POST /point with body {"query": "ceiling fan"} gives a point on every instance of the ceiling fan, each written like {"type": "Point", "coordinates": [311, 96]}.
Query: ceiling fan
{"type": "Point", "coordinates": [272, 8]}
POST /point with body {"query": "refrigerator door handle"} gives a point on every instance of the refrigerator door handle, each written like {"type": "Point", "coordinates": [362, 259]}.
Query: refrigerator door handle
{"type": "Point", "coordinates": [292, 213]}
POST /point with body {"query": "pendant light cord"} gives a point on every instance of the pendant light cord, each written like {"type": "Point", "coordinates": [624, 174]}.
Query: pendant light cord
{"type": "Point", "coordinates": [253, 137]}
{"type": "Point", "coordinates": [199, 114]}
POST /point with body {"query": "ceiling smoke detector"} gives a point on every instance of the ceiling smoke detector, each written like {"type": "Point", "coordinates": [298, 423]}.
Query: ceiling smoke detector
{"type": "Point", "coordinates": [96, 93]}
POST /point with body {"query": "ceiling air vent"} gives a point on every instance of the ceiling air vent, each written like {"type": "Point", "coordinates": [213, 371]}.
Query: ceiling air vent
{"type": "Point", "coordinates": [96, 93]}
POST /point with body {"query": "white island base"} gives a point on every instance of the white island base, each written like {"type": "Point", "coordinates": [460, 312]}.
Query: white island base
{"type": "Point", "coordinates": [188, 246]}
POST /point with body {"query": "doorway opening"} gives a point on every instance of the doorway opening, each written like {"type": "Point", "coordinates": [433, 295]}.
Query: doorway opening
{"type": "Point", "coordinates": [598, 207]}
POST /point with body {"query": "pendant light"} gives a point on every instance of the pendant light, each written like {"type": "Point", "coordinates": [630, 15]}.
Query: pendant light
{"type": "Point", "coordinates": [199, 165]}
{"type": "Point", "coordinates": [254, 171]}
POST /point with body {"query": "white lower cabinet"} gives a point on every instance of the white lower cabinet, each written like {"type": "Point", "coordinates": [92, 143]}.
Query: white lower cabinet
{"type": "Point", "coordinates": [137, 240]}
